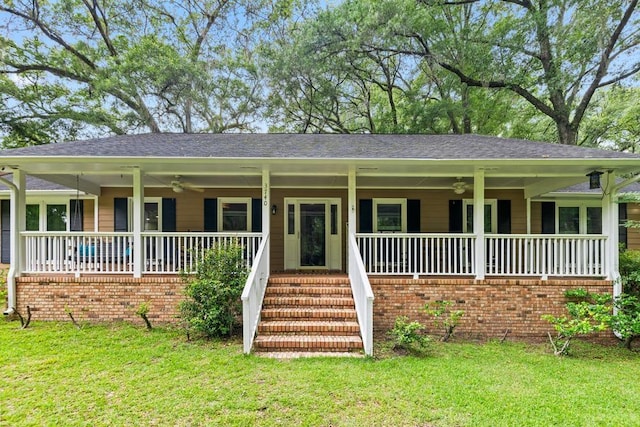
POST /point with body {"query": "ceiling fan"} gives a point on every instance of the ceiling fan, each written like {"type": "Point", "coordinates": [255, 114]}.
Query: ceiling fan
{"type": "Point", "coordinates": [178, 186]}
{"type": "Point", "coordinates": [459, 187]}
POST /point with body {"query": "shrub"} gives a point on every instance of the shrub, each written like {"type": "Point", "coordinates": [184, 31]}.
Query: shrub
{"type": "Point", "coordinates": [591, 314]}
{"type": "Point", "coordinates": [143, 311]}
{"type": "Point", "coordinates": [629, 266]}
{"type": "Point", "coordinates": [626, 320]}
{"type": "Point", "coordinates": [3, 289]}
{"type": "Point", "coordinates": [408, 335]}
{"type": "Point", "coordinates": [213, 306]}
{"type": "Point", "coordinates": [444, 317]}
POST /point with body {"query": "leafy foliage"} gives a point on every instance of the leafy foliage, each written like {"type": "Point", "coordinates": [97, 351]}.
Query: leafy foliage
{"type": "Point", "coordinates": [213, 306]}
{"type": "Point", "coordinates": [592, 314]}
{"type": "Point", "coordinates": [629, 266]}
{"type": "Point", "coordinates": [408, 335]}
{"type": "Point", "coordinates": [626, 320]}
{"type": "Point", "coordinates": [444, 316]}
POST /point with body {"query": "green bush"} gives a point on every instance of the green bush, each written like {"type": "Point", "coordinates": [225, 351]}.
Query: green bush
{"type": "Point", "coordinates": [629, 266]}
{"type": "Point", "coordinates": [444, 317]}
{"type": "Point", "coordinates": [213, 306]}
{"type": "Point", "coordinates": [3, 289]}
{"type": "Point", "coordinates": [591, 314]}
{"type": "Point", "coordinates": [408, 335]}
{"type": "Point", "coordinates": [626, 321]}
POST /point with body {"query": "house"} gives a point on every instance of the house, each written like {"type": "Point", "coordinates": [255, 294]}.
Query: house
{"type": "Point", "coordinates": [397, 220]}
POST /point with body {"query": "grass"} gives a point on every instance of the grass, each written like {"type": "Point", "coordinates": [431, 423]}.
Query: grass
{"type": "Point", "coordinates": [118, 374]}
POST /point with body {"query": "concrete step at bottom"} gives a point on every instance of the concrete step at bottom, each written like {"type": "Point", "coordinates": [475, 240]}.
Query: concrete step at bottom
{"type": "Point", "coordinates": [313, 343]}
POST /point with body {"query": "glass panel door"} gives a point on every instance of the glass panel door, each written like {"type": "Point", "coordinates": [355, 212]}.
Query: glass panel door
{"type": "Point", "coordinates": [313, 245]}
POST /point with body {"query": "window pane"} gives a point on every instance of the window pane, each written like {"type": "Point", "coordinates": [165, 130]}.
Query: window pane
{"type": "Point", "coordinates": [594, 220]}
{"type": "Point", "coordinates": [56, 217]}
{"type": "Point", "coordinates": [151, 217]}
{"type": "Point", "coordinates": [487, 218]}
{"type": "Point", "coordinates": [389, 217]}
{"type": "Point", "coordinates": [488, 222]}
{"type": "Point", "coordinates": [569, 220]}
{"type": "Point", "coordinates": [291, 225]}
{"type": "Point", "coordinates": [334, 219]}
{"type": "Point", "coordinates": [33, 217]}
{"type": "Point", "coordinates": [234, 217]}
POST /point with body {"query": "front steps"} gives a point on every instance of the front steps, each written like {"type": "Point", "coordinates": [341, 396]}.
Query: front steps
{"type": "Point", "coordinates": [308, 315]}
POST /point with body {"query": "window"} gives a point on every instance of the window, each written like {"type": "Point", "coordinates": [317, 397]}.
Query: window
{"type": "Point", "coordinates": [490, 215]}
{"type": "Point", "coordinates": [235, 214]}
{"type": "Point", "coordinates": [389, 215]}
{"type": "Point", "coordinates": [152, 215]}
{"type": "Point", "coordinates": [45, 216]}
{"type": "Point", "coordinates": [578, 218]}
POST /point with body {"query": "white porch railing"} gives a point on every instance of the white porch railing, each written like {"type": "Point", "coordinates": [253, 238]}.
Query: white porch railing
{"type": "Point", "coordinates": [546, 255]}
{"type": "Point", "coordinates": [417, 253]}
{"type": "Point", "coordinates": [253, 294]}
{"type": "Point", "coordinates": [362, 295]}
{"type": "Point", "coordinates": [505, 254]}
{"type": "Point", "coordinates": [77, 252]}
{"type": "Point", "coordinates": [112, 253]}
{"type": "Point", "coordinates": [170, 253]}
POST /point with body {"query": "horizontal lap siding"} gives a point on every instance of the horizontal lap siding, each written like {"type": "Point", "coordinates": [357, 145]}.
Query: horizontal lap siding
{"type": "Point", "coordinates": [189, 204]}
{"type": "Point", "coordinates": [633, 234]}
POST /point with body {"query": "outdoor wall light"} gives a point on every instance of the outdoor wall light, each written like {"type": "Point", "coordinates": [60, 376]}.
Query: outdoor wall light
{"type": "Point", "coordinates": [594, 179]}
{"type": "Point", "coordinates": [274, 209]}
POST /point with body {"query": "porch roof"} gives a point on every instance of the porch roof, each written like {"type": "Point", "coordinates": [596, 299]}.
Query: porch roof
{"type": "Point", "coordinates": [315, 160]}
{"type": "Point", "coordinates": [314, 146]}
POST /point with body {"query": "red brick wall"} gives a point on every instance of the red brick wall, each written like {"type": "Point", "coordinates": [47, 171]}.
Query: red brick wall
{"type": "Point", "coordinates": [99, 298]}
{"type": "Point", "coordinates": [490, 306]}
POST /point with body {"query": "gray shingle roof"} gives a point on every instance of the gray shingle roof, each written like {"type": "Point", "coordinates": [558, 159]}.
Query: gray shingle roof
{"type": "Point", "coordinates": [315, 146]}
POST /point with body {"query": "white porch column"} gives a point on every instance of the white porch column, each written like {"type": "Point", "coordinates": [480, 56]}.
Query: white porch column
{"type": "Point", "coordinates": [478, 222]}
{"type": "Point", "coordinates": [266, 211]}
{"type": "Point", "coordinates": [266, 202]}
{"type": "Point", "coordinates": [351, 201]}
{"type": "Point", "coordinates": [610, 222]}
{"type": "Point", "coordinates": [138, 222]}
{"type": "Point", "coordinates": [18, 211]}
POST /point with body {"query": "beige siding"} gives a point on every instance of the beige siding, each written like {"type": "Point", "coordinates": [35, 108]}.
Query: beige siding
{"type": "Point", "coordinates": [189, 204]}
{"type": "Point", "coordinates": [633, 234]}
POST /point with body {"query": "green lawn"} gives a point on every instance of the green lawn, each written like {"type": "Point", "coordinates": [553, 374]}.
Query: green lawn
{"type": "Point", "coordinates": [55, 374]}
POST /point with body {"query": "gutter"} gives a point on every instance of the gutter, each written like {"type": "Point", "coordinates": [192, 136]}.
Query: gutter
{"type": "Point", "coordinates": [11, 275]}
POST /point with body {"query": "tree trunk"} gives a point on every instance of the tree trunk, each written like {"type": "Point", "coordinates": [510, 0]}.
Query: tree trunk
{"type": "Point", "coordinates": [567, 133]}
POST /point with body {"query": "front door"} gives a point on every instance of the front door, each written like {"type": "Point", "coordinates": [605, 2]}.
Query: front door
{"type": "Point", "coordinates": [312, 234]}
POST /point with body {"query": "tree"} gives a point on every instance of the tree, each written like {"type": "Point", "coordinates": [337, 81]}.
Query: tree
{"type": "Point", "coordinates": [336, 72]}
{"type": "Point", "coordinates": [118, 67]}
{"type": "Point", "coordinates": [555, 54]}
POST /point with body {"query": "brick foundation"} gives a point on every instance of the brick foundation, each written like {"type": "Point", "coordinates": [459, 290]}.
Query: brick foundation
{"type": "Point", "coordinates": [99, 298]}
{"type": "Point", "coordinates": [491, 306]}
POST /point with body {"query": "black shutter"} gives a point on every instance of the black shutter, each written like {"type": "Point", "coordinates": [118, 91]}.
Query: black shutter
{"type": "Point", "coordinates": [622, 221]}
{"type": "Point", "coordinates": [548, 215]}
{"type": "Point", "coordinates": [413, 216]}
{"type": "Point", "coordinates": [211, 215]}
{"type": "Point", "coordinates": [366, 215]}
{"type": "Point", "coordinates": [5, 231]}
{"type": "Point", "coordinates": [256, 215]}
{"type": "Point", "coordinates": [504, 216]}
{"type": "Point", "coordinates": [120, 214]}
{"type": "Point", "coordinates": [77, 215]}
{"type": "Point", "coordinates": [455, 216]}
{"type": "Point", "coordinates": [169, 214]}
